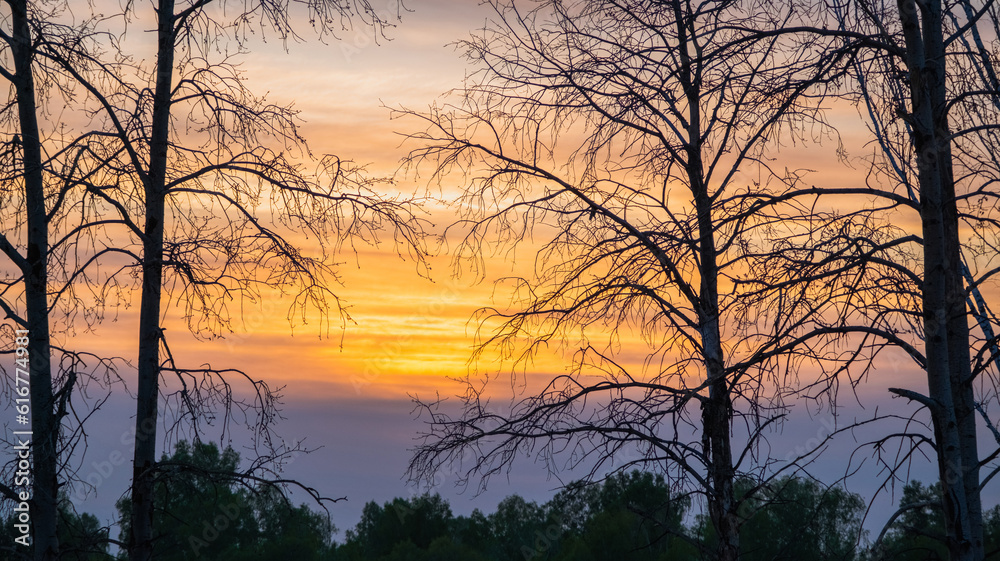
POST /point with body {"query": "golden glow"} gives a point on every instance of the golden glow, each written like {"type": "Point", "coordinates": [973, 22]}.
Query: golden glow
{"type": "Point", "coordinates": [406, 333]}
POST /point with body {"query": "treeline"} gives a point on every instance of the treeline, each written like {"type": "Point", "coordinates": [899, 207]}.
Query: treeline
{"type": "Point", "coordinates": [204, 510]}
{"type": "Point", "coordinates": [632, 515]}
{"type": "Point", "coordinates": [636, 516]}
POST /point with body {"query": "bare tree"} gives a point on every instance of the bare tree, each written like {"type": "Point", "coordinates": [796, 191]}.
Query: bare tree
{"type": "Point", "coordinates": [41, 166]}
{"type": "Point", "coordinates": [641, 133]}
{"type": "Point", "coordinates": [34, 268]}
{"type": "Point", "coordinates": [928, 87]}
{"type": "Point", "coordinates": [204, 176]}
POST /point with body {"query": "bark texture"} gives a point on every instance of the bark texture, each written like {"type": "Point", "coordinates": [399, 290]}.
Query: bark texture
{"type": "Point", "coordinates": [44, 424]}
{"type": "Point", "coordinates": [949, 376]}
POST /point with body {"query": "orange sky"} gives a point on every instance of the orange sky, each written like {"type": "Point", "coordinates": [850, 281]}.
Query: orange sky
{"type": "Point", "coordinates": [409, 333]}
{"type": "Point", "coordinates": [395, 346]}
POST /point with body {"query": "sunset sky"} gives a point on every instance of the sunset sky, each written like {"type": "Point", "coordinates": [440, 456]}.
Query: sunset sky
{"type": "Point", "coordinates": [347, 391]}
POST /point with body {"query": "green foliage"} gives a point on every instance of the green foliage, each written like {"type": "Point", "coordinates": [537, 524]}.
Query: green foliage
{"type": "Point", "coordinates": [81, 537]}
{"type": "Point", "coordinates": [204, 511]}
{"type": "Point", "coordinates": [794, 518]}
{"type": "Point", "coordinates": [400, 527]}
{"type": "Point", "coordinates": [631, 516]}
{"type": "Point", "coordinates": [519, 529]}
{"type": "Point", "coordinates": [918, 533]}
{"type": "Point", "coordinates": [634, 515]}
{"type": "Point", "coordinates": [991, 533]}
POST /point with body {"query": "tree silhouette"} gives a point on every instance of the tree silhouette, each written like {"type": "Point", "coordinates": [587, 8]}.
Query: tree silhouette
{"type": "Point", "coordinates": [53, 275]}
{"type": "Point", "coordinates": [642, 134]}
{"type": "Point", "coordinates": [929, 91]}
{"type": "Point", "coordinates": [631, 515]}
{"type": "Point", "coordinates": [206, 181]}
{"type": "Point", "coordinates": [401, 523]}
{"type": "Point", "coordinates": [33, 265]}
{"type": "Point", "coordinates": [81, 537]}
{"type": "Point", "coordinates": [797, 518]}
{"type": "Point", "coordinates": [204, 510]}
{"type": "Point", "coordinates": [917, 533]}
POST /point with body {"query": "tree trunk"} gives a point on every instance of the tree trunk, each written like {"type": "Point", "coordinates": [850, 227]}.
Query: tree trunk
{"type": "Point", "coordinates": [717, 409]}
{"type": "Point", "coordinates": [944, 303]}
{"type": "Point", "coordinates": [147, 394]}
{"type": "Point", "coordinates": [716, 416]}
{"type": "Point", "coordinates": [44, 424]}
